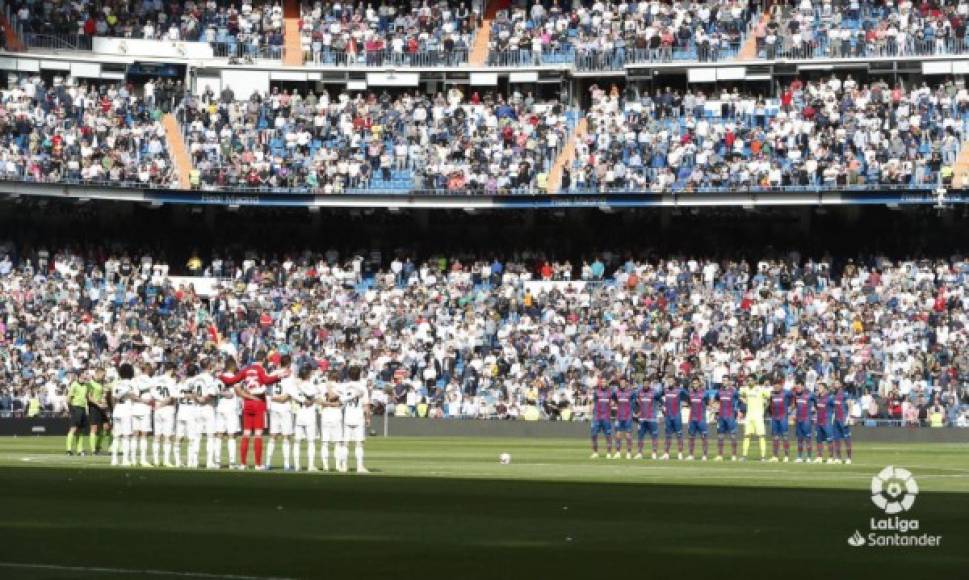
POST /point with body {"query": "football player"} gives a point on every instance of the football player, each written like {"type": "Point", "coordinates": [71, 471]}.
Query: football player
{"type": "Point", "coordinates": [331, 423]}
{"type": "Point", "coordinates": [356, 416]}
{"type": "Point", "coordinates": [164, 390]}
{"type": "Point", "coordinates": [281, 396]}
{"type": "Point", "coordinates": [306, 417]}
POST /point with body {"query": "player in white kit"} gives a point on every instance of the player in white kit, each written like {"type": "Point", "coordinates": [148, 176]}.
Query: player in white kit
{"type": "Point", "coordinates": [331, 423]}
{"type": "Point", "coordinates": [186, 419]}
{"type": "Point", "coordinates": [164, 391]}
{"type": "Point", "coordinates": [227, 423]}
{"type": "Point", "coordinates": [122, 394]}
{"type": "Point", "coordinates": [141, 411]}
{"type": "Point", "coordinates": [280, 396]}
{"type": "Point", "coordinates": [207, 394]}
{"type": "Point", "coordinates": [356, 416]}
{"type": "Point", "coordinates": [306, 418]}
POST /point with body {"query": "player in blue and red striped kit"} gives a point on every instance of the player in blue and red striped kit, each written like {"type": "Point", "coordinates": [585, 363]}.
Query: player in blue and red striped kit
{"type": "Point", "coordinates": [842, 431]}
{"type": "Point", "coordinates": [823, 411]}
{"type": "Point", "coordinates": [729, 398]}
{"type": "Point", "coordinates": [780, 406]}
{"type": "Point", "coordinates": [804, 403]}
{"type": "Point", "coordinates": [624, 418]}
{"type": "Point", "coordinates": [673, 398]}
{"type": "Point", "coordinates": [647, 404]}
{"type": "Point", "coordinates": [603, 401]}
{"type": "Point", "coordinates": [698, 400]}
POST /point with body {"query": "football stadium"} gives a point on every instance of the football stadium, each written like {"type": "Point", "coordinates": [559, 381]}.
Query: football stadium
{"type": "Point", "coordinates": [484, 288]}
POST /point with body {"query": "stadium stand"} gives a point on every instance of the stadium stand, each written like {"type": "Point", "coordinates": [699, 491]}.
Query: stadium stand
{"type": "Point", "coordinates": [238, 29]}
{"type": "Point", "coordinates": [404, 33]}
{"type": "Point", "coordinates": [831, 133]}
{"type": "Point", "coordinates": [354, 142]}
{"type": "Point", "coordinates": [865, 29]}
{"type": "Point", "coordinates": [604, 35]}
{"type": "Point", "coordinates": [474, 337]}
{"type": "Point", "coordinates": [83, 133]}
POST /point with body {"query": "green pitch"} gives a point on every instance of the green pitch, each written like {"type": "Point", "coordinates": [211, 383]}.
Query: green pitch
{"type": "Point", "coordinates": [445, 508]}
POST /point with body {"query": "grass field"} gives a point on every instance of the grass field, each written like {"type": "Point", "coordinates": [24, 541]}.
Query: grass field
{"type": "Point", "coordinates": [445, 508]}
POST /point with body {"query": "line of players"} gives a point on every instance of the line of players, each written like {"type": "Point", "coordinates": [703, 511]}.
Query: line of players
{"type": "Point", "coordinates": [820, 418]}
{"type": "Point", "coordinates": [308, 406]}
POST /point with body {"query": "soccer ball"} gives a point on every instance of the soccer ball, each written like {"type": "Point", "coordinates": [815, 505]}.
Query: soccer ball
{"type": "Point", "coordinates": [504, 458]}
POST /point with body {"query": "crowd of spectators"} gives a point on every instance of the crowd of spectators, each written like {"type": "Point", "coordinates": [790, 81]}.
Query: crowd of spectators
{"type": "Point", "coordinates": [236, 28]}
{"type": "Point", "coordinates": [392, 32]}
{"type": "Point", "coordinates": [863, 28]}
{"type": "Point", "coordinates": [488, 143]}
{"type": "Point", "coordinates": [832, 132]}
{"type": "Point", "coordinates": [606, 35]}
{"type": "Point", "coordinates": [84, 131]}
{"type": "Point", "coordinates": [517, 337]}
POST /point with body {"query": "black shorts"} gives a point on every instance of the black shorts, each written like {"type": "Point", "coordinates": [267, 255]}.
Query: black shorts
{"type": "Point", "coordinates": [96, 415]}
{"type": "Point", "coordinates": [78, 417]}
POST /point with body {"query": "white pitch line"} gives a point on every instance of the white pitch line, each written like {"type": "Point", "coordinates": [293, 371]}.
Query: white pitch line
{"type": "Point", "coordinates": [104, 570]}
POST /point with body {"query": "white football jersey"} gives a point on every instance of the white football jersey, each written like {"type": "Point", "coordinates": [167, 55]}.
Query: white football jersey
{"type": "Point", "coordinates": [288, 386]}
{"type": "Point", "coordinates": [331, 415]}
{"type": "Point", "coordinates": [163, 387]}
{"type": "Point", "coordinates": [207, 386]}
{"type": "Point", "coordinates": [306, 392]}
{"type": "Point", "coordinates": [143, 388]}
{"type": "Point", "coordinates": [355, 397]}
{"type": "Point", "coordinates": [186, 392]}
{"type": "Point", "coordinates": [121, 389]}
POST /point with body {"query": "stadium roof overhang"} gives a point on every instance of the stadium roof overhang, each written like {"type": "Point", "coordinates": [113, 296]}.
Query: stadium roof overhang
{"type": "Point", "coordinates": [451, 200]}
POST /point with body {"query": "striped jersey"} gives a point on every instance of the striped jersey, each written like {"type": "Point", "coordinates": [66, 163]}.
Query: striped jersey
{"type": "Point", "coordinates": [624, 404]}
{"type": "Point", "coordinates": [646, 399]}
{"type": "Point", "coordinates": [804, 404]}
{"type": "Point", "coordinates": [780, 404]}
{"type": "Point", "coordinates": [728, 397]}
{"type": "Point", "coordinates": [603, 403]}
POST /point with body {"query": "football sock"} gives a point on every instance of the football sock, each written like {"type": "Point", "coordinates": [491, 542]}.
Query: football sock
{"type": "Point", "coordinates": [324, 454]}
{"type": "Point", "coordinates": [232, 451]}
{"type": "Point", "coordinates": [746, 445]}
{"type": "Point", "coordinates": [143, 447]}
{"type": "Point", "coordinates": [287, 451]}
{"type": "Point", "coordinates": [270, 451]}
{"type": "Point", "coordinates": [70, 442]}
{"type": "Point", "coordinates": [763, 447]}
{"type": "Point", "coordinates": [156, 450]}
{"type": "Point", "coordinates": [259, 450]}
{"type": "Point", "coordinates": [359, 455]}
{"type": "Point", "coordinates": [244, 450]}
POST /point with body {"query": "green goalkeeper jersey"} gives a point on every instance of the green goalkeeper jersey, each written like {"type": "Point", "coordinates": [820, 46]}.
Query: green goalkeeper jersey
{"type": "Point", "coordinates": [756, 399]}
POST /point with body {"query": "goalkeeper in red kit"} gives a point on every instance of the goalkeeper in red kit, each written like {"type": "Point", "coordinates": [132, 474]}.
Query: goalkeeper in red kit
{"type": "Point", "coordinates": [250, 385]}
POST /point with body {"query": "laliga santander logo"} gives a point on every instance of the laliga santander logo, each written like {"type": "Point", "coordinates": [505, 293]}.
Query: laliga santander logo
{"type": "Point", "coordinates": [894, 490]}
